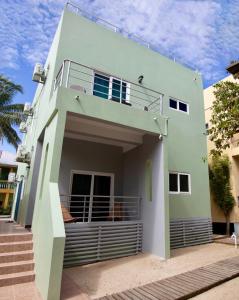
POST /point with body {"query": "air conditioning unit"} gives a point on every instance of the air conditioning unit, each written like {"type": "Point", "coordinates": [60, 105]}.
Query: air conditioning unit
{"type": "Point", "coordinates": [39, 74]}
{"type": "Point", "coordinates": [28, 111]}
{"type": "Point", "coordinates": [23, 127]}
{"type": "Point", "coordinates": [23, 155]}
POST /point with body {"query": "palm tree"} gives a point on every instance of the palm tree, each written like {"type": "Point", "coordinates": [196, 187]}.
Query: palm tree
{"type": "Point", "coordinates": [10, 114]}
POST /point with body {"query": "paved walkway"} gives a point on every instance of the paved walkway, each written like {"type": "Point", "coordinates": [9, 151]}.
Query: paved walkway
{"type": "Point", "coordinates": [185, 285]}
{"type": "Point", "coordinates": [11, 228]}
{"type": "Point", "coordinates": [24, 291]}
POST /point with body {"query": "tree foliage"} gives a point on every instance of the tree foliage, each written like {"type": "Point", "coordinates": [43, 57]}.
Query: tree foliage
{"type": "Point", "coordinates": [225, 115]}
{"type": "Point", "coordinates": [219, 175]}
{"type": "Point", "coordinates": [10, 114]}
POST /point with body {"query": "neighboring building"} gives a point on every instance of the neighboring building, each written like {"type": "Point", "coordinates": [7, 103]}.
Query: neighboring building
{"type": "Point", "coordinates": [116, 140]}
{"type": "Point", "coordinates": [8, 169]}
{"type": "Point", "coordinates": [219, 223]}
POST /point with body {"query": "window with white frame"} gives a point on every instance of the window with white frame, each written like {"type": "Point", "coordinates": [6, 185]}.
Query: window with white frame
{"type": "Point", "coordinates": [178, 105]}
{"type": "Point", "coordinates": [111, 88]}
{"type": "Point", "coordinates": [179, 182]}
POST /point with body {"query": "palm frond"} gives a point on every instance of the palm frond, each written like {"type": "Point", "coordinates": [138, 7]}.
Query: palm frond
{"type": "Point", "coordinates": [8, 90]}
{"type": "Point", "coordinates": [10, 135]}
{"type": "Point", "coordinates": [10, 114]}
{"type": "Point", "coordinates": [12, 119]}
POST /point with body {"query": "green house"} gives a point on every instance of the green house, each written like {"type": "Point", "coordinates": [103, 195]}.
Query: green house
{"type": "Point", "coordinates": [116, 141]}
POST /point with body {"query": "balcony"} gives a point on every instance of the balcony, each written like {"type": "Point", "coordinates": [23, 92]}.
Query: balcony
{"type": "Point", "coordinates": [105, 227]}
{"type": "Point", "coordinates": [6, 196]}
{"type": "Point", "coordinates": [90, 81]}
{"type": "Point", "coordinates": [6, 186]}
{"type": "Point", "coordinates": [98, 208]}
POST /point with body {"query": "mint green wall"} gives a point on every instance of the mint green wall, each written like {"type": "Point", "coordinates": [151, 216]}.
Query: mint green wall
{"type": "Point", "coordinates": [42, 112]}
{"type": "Point", "coordinates": [183, 146]}
{"type": "Point", "coordinates": [48, 227]}
{"type": "Point", "coordinates": [95, 107]}
{"type": "Point", "coordinates": [95, 46]}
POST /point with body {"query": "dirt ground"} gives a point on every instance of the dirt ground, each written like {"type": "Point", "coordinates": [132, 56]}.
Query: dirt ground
{"type": "Point", "coordinates": [117, 275]}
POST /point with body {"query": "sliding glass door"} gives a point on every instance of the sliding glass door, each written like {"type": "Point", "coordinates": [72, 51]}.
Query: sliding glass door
{"type": "Point", "coordinates": [91, 196]}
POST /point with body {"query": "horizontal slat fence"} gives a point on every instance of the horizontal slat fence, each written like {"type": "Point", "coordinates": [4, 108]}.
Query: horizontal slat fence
{"type": "Point", "coordinates": [190, 232]}
{"type": "Point", "coordinates": [92, 242]}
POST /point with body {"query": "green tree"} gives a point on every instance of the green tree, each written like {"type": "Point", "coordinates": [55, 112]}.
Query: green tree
{"type": "Point", "coordinates": [219, 175]}
{"type": "Point", "coordinates": [10, 114]}
{"type": "Point", "coordinates": [225, 115]}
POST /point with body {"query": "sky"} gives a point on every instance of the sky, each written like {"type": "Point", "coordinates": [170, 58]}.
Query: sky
{"type": "Point", "coordinates": [201, 34]}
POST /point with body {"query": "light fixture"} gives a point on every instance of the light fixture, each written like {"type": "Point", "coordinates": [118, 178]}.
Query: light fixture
{"type": "Point", "coordinates": [77, 98]}
{"type": "Point", "coordinates": [140, 79]}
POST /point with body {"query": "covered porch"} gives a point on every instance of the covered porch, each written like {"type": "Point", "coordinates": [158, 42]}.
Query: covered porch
{"type": "Point", "coordinates": [112, 184]}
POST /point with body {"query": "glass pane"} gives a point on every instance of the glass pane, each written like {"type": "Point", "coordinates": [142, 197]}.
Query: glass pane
{"type": "Point", "coordinates": [124, 88]}
{"type": "Point", "coordinates": [183, 106]}
{"type": "Point", "coordinates": [116, 90]}
{"type": "Point", "coordinates": [79, 205]}
{"type": "Point", "coordinates": [173, 103]}
{"type": "Point", "coordinates": [184, 183]}
{"type": "Point", "coordinates": [101, 86]}
{"type": "Point", "coordinates": [4, 173]}
{"type": "Point", "coordinates": [173, 182]}
{"type": "Point", "coordinates": [101, 205]}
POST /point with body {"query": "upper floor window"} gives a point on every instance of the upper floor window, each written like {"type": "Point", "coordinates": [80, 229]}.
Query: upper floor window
{"type": "Point", "coordinates": [111, 88]}
{"type": "Point", "coordinates": [178, 105]}
{"type": "Point", "coordinates": [179, 183]}
{"type": "Point", "coordinates": [101, 86]}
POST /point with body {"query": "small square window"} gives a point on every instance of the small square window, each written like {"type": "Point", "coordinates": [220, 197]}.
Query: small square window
{"type": "Point", "coordinates": [173, 182]}
{"type": "Point", "coordinates": [184, 183]}
{"type": "Point", "coordinates": [178, 105]}
{"type": "Point", "coordinates": [179, 183]}
{"type": "Point", "coordinates": [183, 107]}
{"type": "Point", "coordinates": [173, 103]}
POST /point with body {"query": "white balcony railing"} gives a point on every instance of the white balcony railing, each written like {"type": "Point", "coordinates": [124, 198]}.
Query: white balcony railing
{"type": "Point", "coordinates": [93, 208]}
{"type": "Point", "coordinates": [6, 185]}
{"type": "Point", "coordinates": [90, 81]}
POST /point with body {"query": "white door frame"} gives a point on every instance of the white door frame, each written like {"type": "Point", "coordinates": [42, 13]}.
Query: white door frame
{"type": "Point", "coordinates": [93, 174]}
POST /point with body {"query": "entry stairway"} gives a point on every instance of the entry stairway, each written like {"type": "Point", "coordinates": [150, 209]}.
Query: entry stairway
{"type": "Point", "coordinates": [16, 258]}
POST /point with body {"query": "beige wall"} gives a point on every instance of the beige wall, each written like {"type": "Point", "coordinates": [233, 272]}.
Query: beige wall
{"type": "Point", "coordinates": [233, 154]}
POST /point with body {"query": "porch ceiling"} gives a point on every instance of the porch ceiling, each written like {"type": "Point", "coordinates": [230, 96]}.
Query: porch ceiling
{"type": "Point", "coordinates": [102, 132]}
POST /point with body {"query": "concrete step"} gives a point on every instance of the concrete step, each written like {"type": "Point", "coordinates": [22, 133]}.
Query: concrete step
{"type": "Point", "coordinates": [18, 237]}
{"type": "Point", "coordinates": [16, 246]}
{"type": "Point", "coordinates": [16, 256]}
{"type": "Point", "coordinates": [16, 278]}
{"type": "Point", "coordinates": [16, 267]}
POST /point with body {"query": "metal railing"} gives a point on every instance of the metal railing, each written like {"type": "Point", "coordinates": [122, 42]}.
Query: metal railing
{"type": "Point", "coordinates": [90, 81]}
{"type": "Point", "coordinates": [138, 39]}
{"type": "Point", "coordinates": [76, 9]}
{"type": "Point", "coordinates": [4, 184]}
{"type": "Point", "coordinates": [97, 208]}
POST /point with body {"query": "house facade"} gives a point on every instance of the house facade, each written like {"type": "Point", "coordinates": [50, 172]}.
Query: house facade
{"type": "Point", "coordinates": [218, 218]}
{"type": "Point", "coordinates": [108, 144]}
{"type": "Point", "coordinates": [8, 170]}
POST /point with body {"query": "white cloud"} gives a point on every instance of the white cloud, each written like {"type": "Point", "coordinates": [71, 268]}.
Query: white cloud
{"type": "Point", "coordinates": [199, 33]}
